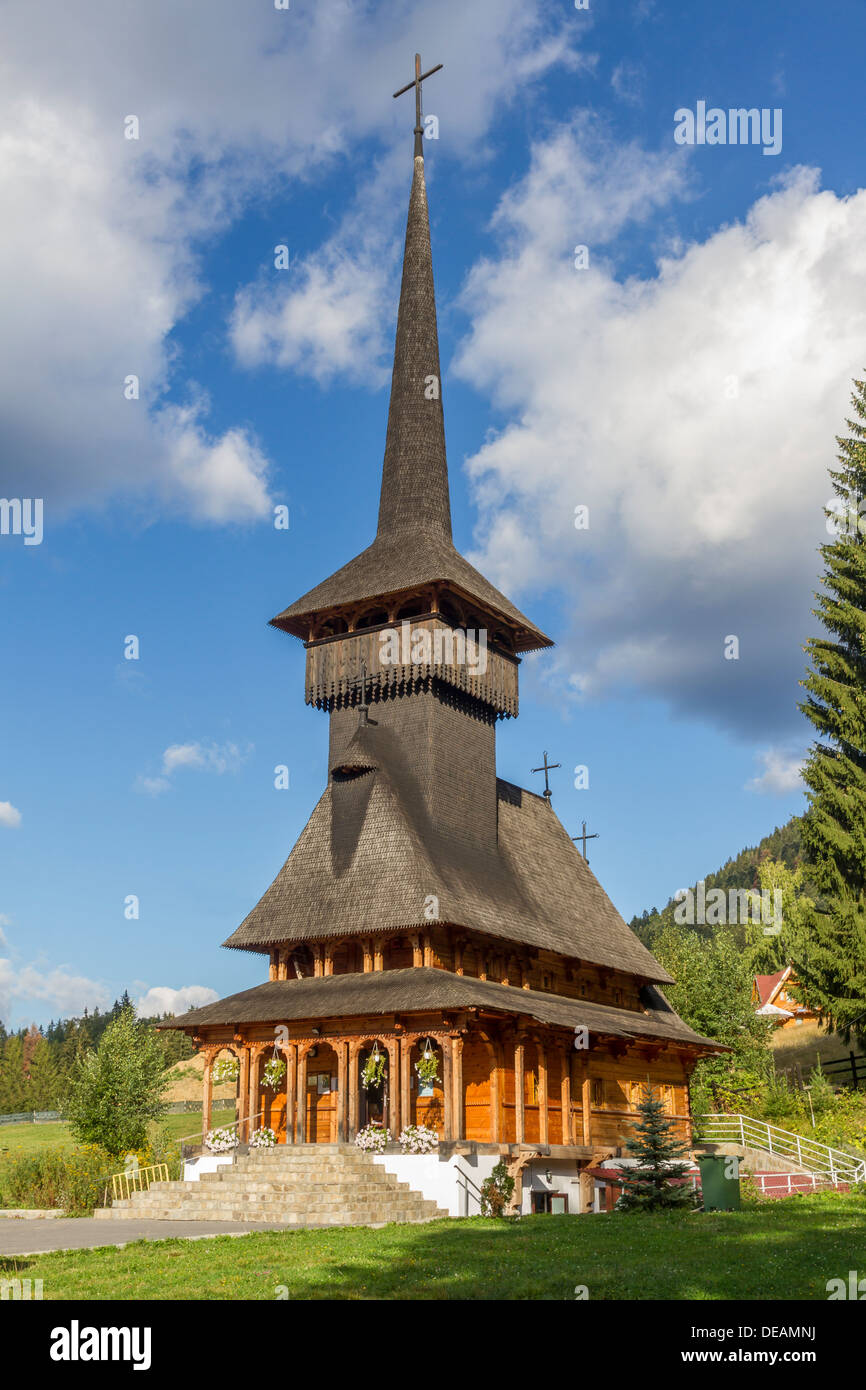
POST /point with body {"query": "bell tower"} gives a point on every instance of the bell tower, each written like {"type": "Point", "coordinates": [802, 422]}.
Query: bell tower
{"type": "Point", "coordinates": [410, 650]}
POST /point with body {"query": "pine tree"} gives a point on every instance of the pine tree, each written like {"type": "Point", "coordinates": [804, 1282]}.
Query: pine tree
{"type": "Point", "coordinates": [831, 949]}
{"type": "Point", "coordinates": [12, 1082]}
{"type": "Point", "coordinates": [655, 1183]}
{"type": "Point", "coordinates": [44, 1085]}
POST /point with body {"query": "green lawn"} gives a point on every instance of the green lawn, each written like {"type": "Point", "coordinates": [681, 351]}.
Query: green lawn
{"type": "Point", "coordinates": [782, 1249]}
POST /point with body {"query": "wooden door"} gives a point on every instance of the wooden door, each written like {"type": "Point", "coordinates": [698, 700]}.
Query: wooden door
{"type": "Point", "coordinates": [322, 1101]}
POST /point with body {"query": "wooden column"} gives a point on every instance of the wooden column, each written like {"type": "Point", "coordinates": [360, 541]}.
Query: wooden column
{"type": "Point", "coordinates": [428, 949]}
{"type": "Point", "coordinates": [447, 1081]}
{"type": "Point", "coordinates": [207, 1095]}
{"type": "Point", "coordinates": [405, 1078]}
{"type": "Point", "coordinates": [329, 960]}
{"type": "Point", "coordinates": [244, 1095]}
{"type": "Point", "coordinates": [301, 1103]}
{"type": "Point", "coordinates": [253, 1095]}
{"type": "Point", "coordinates": [587, 1191]}
{"type": "Point", "coordinates": [519, 1091]}
{"type": "Point", "coordinates": [393, 1122]}
{"type": "Point", "coordinates": [586, 1107]}
{"type": "Point", "coordinates": [291, 1075]}
{"type": "Point", "coordinates": [565, 1092]}
{"type": "Point", "coordinates": [317, 962]}
{"type": "Point", "coordinates": [354, 1048]}
{"type": "Point", "coordinates": [543, 1116]}
{"type": "Point", "coordinates": [378, 955]}
{"type": "Point", "coordinates": [458, 1122]}
{"type": "Point", "coordinates": [342, 1078]}
{"type": "Point", "coordinates": [417, 951]}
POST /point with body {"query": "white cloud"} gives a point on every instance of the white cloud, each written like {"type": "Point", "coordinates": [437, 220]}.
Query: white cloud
{"type": "Point", "coordinates": [10, 816]}
{"type": "Point", "coordinates": [107, 251]}
{"type": "Point", "coordinates": [64, 993]}
{"type": "Point", "coordinates": [162, 999]}
{"type": "Point", "coordinates": [694, 412]}
{"type": "Point", "coordinates": [783, 772]}
{"type": "Point", "coordinates": [218, 758]}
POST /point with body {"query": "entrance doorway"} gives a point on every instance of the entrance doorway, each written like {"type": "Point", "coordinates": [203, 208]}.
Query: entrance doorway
{"type": "Point", "coordinates": [321, 1097]}
{"type": "Point", "coordinates": [373, 1100]}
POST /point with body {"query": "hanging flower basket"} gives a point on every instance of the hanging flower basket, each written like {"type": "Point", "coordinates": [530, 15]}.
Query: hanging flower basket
{"type": "Point", "coordinates": [373, 1073]}
{"type": "Point", "coordinates": [418, 1139]}
{"type": "Point", "coordinates": [221, 1141]}
{"type": "Point", "coordinates": [225, 1070]}
{"type": "Point", "coordinates": [273, 1073]}
{"type": "Point", "coordinates": [262, 1138]}
{"type": "Point", "coordinates": [373, 1138]}
{"type": "Point", "coordinates": [427, 1067]}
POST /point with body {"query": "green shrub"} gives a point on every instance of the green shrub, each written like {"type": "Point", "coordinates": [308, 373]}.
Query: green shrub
{"type": "Point", "coordinates": [74, 1179]}
{"type": "Point", "coordinates": [497, 1191]}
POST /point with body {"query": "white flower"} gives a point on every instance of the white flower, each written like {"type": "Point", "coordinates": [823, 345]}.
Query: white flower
{"type": "Point", "coordinates": [220, 1140]}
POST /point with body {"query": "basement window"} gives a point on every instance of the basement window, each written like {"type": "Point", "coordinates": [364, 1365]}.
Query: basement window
{"type": "Point", "coordinates": [554, 1203]}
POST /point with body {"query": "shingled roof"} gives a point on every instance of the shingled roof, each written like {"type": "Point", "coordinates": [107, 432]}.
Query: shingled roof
{"type": "Point", "coordinates": [413, 545]}
{"type": "Point", "coordinates": [423, 988]}
{"type": "Point", "coordinates": [370, 857]}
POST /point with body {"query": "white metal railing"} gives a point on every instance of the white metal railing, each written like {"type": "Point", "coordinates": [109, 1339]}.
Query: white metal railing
{"type": "Point", "coordinates": [811, 1156]}
{"type": "Point", "coordinates": [235, 1124]}
{"type": "Point", "coordinates": [784, 1184]}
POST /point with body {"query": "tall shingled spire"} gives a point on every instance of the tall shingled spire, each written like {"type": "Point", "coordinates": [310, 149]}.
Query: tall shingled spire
{"type": "Point", "coordinates": [413, 550]}
{"type": "Point", "coordinates": [414, 495]}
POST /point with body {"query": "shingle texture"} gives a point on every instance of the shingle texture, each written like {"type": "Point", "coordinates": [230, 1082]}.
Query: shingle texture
{"type": "Point", "coordinates": [413, 544]}
{"type": "Point", "coordinates": [404, 991]}
{"type": "Point", "coordinates": [370, 858]}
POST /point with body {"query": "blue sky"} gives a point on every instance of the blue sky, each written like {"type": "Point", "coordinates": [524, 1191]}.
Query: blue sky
{"type": "Point", "coordinates": [686, 387]}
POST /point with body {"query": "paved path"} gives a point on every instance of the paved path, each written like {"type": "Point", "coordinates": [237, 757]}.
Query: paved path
{"type": "Point", "coordinates": [39, 1237]}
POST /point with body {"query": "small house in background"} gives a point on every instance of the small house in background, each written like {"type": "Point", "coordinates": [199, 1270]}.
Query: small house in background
{"type": "Point", "coordinates": [771, 995]}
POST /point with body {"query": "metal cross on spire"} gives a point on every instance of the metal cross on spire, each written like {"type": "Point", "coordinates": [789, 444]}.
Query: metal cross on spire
{"type": "Point", "coordinates": [584, 837]}
{"type": "Point", "coordinates": [546, 767]}
{"type": "Point", "coordinates": [416, 83]}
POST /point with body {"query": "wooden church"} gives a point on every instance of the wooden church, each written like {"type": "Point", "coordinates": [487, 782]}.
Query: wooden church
{"type": "Point", "coordinates": [428, 905]}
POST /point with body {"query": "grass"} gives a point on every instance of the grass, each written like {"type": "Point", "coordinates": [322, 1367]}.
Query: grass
{"type": "Point", "coordinates": [805, 1044]}
{"type": "Point", "coordinates": [778, 1250]}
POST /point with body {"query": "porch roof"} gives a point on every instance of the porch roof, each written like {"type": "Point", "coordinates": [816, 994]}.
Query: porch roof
{"type": "Point", "coordinates": [423, 988]}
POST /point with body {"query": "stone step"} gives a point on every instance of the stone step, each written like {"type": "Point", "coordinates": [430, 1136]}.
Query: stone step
{"type": "Point", "coordinates": [314, 1185]}
{"type": "Point", "coordinates": [263, 1203]}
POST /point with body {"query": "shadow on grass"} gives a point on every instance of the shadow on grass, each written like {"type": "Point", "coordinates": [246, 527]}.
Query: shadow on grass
{"type": "Point", "coordinates": [785, 1252]}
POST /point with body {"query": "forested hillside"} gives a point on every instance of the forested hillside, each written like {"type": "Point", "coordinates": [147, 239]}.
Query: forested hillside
{"type": "Point", "coordinates": [783, 845]}
{"type": "Point", "coordinates": [36, 1064]}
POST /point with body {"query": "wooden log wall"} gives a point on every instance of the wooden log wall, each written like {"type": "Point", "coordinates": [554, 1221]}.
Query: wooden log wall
{"type": "Point", "coordinates": [333, 675]}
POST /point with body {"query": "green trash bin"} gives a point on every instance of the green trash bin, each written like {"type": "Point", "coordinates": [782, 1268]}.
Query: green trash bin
{"type": "Point", "coordinates": [720, 1181]}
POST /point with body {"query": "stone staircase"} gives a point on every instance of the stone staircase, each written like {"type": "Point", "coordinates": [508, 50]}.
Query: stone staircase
{"type": "Point", "coordinates": [302, 1185]}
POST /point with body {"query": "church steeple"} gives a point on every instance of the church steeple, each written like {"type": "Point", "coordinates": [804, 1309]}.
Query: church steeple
{"type": "Point", "coordinates": [412, 567]}
{"type": "Point", "coordinates": [415, 497]}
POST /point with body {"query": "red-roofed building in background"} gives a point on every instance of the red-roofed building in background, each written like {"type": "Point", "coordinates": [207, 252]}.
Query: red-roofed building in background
{"type": "Point", "coordinates": [771, 995]}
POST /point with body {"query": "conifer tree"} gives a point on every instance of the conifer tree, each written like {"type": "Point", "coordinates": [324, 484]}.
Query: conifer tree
{"type": "Point", "coordinates": [830, 949]}
{"type": "Point", "coordinates": [12, 1080]}
{"type": "Point", "coordinates": [656, 1182]}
